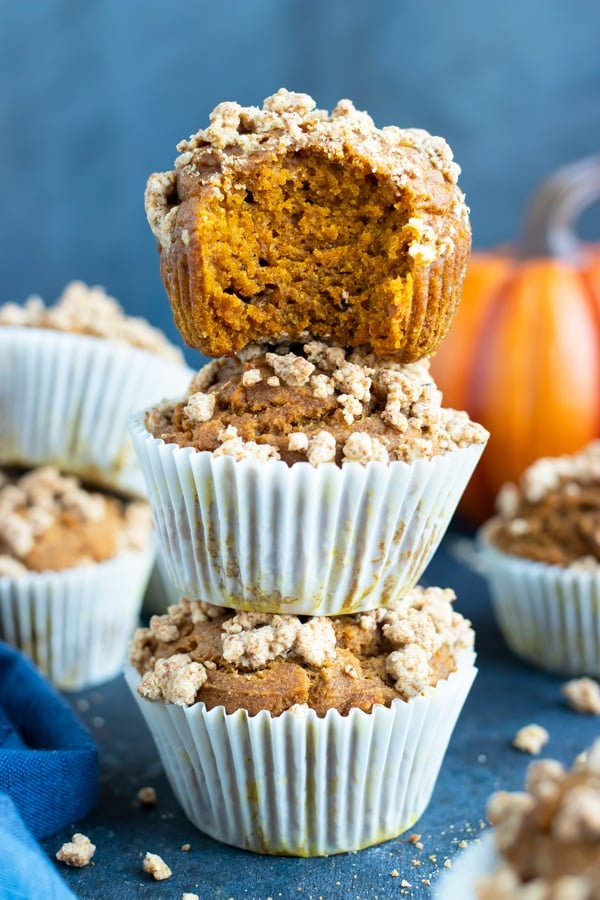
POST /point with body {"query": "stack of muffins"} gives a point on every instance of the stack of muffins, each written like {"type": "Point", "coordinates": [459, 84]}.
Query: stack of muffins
{"type": "Point", "coordinates": [76, 542]}
{"type": "Point", "coordinates": [303, 692]}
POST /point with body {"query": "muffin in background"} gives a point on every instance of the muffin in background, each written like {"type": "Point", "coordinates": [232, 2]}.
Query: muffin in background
{"type": "Point", "coordinates": [282, 717]}
{"type": "Point", "coordinates": [74, 564]}
{"type": "Point", "coordinates": [70, 377]}
{"type": "Point", "coordinates": [541, 556]}
{"type": "Point", "coordinates": [305, 479]}
{"type": "Point", "coordinates": [545, 842]}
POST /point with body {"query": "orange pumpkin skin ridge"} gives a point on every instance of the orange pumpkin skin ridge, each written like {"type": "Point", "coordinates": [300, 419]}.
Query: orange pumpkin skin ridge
{"type": "Point", "coordinates": [523, 358]}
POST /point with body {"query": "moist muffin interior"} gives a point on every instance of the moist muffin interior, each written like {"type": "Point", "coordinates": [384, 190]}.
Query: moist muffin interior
{"type": "Point", "coordinates": [261, 661]}
{"type": "Point", "coordinates": [306, 239]}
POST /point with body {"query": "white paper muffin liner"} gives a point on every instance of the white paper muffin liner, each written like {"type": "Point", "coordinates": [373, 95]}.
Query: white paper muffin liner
{"type": "Point", "coordinates": [161, 592]}
{"type": "Point", "coordinates": [459, 882]}
{"type": "Point", "coordinates": [66, 400]}
{"type": "Point", "coordinates": [76, 624]}
{"type": "Point", "coordinates": [301, 785]}
{"type": "Point", "coordinates": [549, 615]}
{"type": "Point", "coordinates": [298, 539]}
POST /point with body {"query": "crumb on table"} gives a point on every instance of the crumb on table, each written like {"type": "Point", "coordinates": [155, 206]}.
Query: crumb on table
{"type": "Point", "coordinates": [582, 695]}
{"type": "Point", "coordinates": [531, 738]}
{"type": "Point", "coordinates": [77, 852]}
{"type": "Point", "coordinates": [146, 796]}
{"type": "Point", "coordinates": [156, 866]}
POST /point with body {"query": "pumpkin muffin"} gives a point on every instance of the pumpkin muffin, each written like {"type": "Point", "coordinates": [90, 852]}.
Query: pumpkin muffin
{"type": "Point", "coordinates": [73, 568]}
{"type": "Point", "coordinates": [281, 717]}
{"type": "Point", "coordinates": [289, 222]}
{"type": "Point", "coordinates": [304, 479]}
{"type": "Point", "coordinates": [71, 375]}
{"type": "Point", "coordinates": [90, 310]}
{"type": "Point", "coordinates": [545, 842]}
{"type": "Point", "coordinates": [542, 557]}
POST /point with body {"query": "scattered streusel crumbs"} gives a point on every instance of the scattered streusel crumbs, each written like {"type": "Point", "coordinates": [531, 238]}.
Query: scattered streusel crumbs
{"type": "Point", "coordinates": [395, 873]}
{"type": "Point", "coordinates": [188, 896]}
{"type": "Point", "coordinates": [156, 866]}
{"type": "Point", "coordinates": [531, 738]}
{"type": "Point", "coordinates": [146, 796]}
{"type": "Point", "coordinates": [77, 852]}
{"type": "Point", "coordinates": [582, 695]}
{"type": "Point", "coordinates": [186, 847]}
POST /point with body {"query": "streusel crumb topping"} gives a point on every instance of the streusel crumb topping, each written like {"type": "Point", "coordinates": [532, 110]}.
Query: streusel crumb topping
{"type": "Point", "coordinates": [90, 310]}
{"type": "Point", "coordinates": [553, 514]}
{"type": "Point", "coordinates": [198, 652]}
{"type": "Point", "coordinates": [317, 403]}
{"type": "Point", "coordinates": [49, 521]}
{"type": "Point", "coordinates": [549, 836]}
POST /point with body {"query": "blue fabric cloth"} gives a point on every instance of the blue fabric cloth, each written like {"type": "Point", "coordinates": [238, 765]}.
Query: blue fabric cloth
{"type": "Point", "coordinates": [25, 872]}
{"type": "Point", "coordinates": [48, 761]}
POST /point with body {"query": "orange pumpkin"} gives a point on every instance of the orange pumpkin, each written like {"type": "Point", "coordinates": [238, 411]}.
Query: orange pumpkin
{"type": "Point", "coordinates": [523, 354]}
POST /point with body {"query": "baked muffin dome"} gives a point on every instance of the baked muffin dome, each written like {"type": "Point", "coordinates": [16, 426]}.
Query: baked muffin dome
{"type": "Point", "coordinates": [288, 221]}
{"type": "Point", "coordinates": [197, 652]}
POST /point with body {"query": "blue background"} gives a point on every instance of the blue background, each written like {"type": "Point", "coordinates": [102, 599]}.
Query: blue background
{"type": "Point", "coordinates": [96, 93]}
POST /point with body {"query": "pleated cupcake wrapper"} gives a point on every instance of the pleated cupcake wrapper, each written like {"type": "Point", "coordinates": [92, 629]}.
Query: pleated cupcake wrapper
{"type": "Point", "coordinates": [549, 615]}
{"type": "Point", "coordinates": [460, 882]}
{"type": "Point", "coordinates": [76, 625]}
{"type": "Point", "coordinates": [161, 592]}
{"type": "Point", "coordinates": [66, 400]}
{"type": "Point", "coordinates": [301, 785]}
{"type": "Point", "coordinates": [297, 539]}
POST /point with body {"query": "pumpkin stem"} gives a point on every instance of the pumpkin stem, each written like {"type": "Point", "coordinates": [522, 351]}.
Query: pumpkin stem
{"type": "Point", "coordinates": [555, 208]}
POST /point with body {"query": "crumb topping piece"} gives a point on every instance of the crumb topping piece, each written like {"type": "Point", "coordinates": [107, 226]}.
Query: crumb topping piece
{"type": "Point", "coordinates": [395, 651]}
{"type": "Point", "coordinates": [583, 695]}
{"type": "Point", "coordinates": [316, 403]}
{"type": "Point", "coordinates": [90, 310]}
{"type": "Point", "coordinates": [549, 836]}
{"type": "Point", "coordinates": [156, 866]}
{"type": "Point", "coordinates": [553, 514]}
{"type": "Point", "coordinates": [77, 852]}
{"type": "Point", "coordinates": [531, 739]}
{"type": "Point", "coordinates": [49, 521]}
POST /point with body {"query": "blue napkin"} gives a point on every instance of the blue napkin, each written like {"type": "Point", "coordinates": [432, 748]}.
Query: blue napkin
{"type": "Point", "coordinates": [25, 872]}
{"type": "Point", "coordinates": [48, 761]}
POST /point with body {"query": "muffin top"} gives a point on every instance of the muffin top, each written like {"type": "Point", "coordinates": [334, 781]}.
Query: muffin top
{"type": "Point", "coordinates": [262, 661]}
{"type": "Point", "coordinates": [548, 836]}
{"type": "Point", "coordinates": [50, 522]}
{"type": "Point", "coordinates": [89, 310]}
{"type": "Point", "coordinates": [314, 402]}
{"type": "Point", "coordinates": [553, 515]}
{"type": "Point", "coordinates": [286, 220]}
